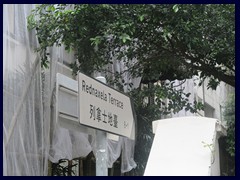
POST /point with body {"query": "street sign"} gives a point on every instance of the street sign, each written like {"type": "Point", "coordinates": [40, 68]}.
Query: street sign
{"type": "Point", "coordinates": [103, 107]}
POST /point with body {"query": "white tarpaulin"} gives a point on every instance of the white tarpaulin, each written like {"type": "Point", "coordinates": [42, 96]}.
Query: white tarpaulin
{"type": "Point", "coordinates": [185, 146]}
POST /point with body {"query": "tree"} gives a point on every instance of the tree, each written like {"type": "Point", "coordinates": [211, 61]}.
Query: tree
{"type": "Point", "coordinates": [228, 142]}
{"type": "Point", "coordinates": [229, 117]}
{"type": "Point", "coordinates": [168, 41]}
{"type": "Point", "coordinates": [155, 42]}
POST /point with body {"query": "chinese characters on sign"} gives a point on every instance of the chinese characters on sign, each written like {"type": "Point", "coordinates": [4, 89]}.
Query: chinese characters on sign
{"type": "Point", "coordinates": [104, 108]}
{"type": "Point", "coordinates": [102, 116]}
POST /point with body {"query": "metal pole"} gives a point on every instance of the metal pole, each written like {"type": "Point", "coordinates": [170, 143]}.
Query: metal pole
{"type": "Point", "coordinates": [101, 147]}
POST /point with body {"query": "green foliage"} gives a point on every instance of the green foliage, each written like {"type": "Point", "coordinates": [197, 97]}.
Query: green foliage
{"type": "Point", "coordinates": [124, 37]}
{"type": "Point", "coordinates": [229, 141]}
{"type": "Point", "coordinates": [176, 100]}
{"type": "Point", "coordinates": [175, 8]}
{"type": "Point", "coordinates": [229, 116]}
{"type": "Point", "coordinates": [172, 41]}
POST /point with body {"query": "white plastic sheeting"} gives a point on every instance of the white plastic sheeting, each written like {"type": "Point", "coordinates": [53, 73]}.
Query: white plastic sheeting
{"type": "Point", "coordinates": [31, 135]}
{"type": "Point", "coordinates": [25, 142]}
{"type": "Point", "coordinates": [185, 146]}
{"type": "Point", "coordinates": [64, 143]}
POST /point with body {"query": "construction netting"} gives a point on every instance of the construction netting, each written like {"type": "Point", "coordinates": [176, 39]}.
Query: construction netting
{"type": "Point", "coordinates": [31, 135]}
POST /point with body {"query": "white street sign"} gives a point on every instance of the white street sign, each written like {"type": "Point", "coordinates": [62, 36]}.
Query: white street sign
{"type": "Point", "coordinates": [103, 107]}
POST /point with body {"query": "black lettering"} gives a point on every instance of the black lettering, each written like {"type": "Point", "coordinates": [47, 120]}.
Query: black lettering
{"type": "Point", "coordinates": [87, 88]}
{"type": "Point", "coordinates": [83, 85]}
{"type": "Point", "coordinates": [90, 89]}
{"type": "Point", "coordinates": [109, 97]}
{"type": "Point", "coordinates": [96, 92]}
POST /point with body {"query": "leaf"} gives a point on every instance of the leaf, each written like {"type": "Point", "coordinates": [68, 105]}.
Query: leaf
{"type": "Point", "coordinates": [31, 21]}
{"type": "Point", "coordinates": [175, 8]}
{"type": "Point", "coordinates": [141, 17]}
{"type": "Point", "coordinates": [124, 37]}
{"type": "Point", "coordinates": [96, 41]}
{"type": "Point", "coordinates": [44, 64]}
{"type": "Point", "coordinates": [213, 83]}
{"type": "Point", "coordinates": [51, 8]}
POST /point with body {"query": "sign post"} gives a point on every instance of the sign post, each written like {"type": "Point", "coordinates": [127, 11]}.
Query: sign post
{"type": "Point", "coordinates": [102, 107]}
{"type": "Point", "coordinates": [90, 106]}
{"type": "Point", "coordinates": [101, 147]}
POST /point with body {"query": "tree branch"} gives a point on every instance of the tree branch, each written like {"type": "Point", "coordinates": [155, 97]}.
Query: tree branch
{"type": "Point", "coordinates": [215, 73]}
